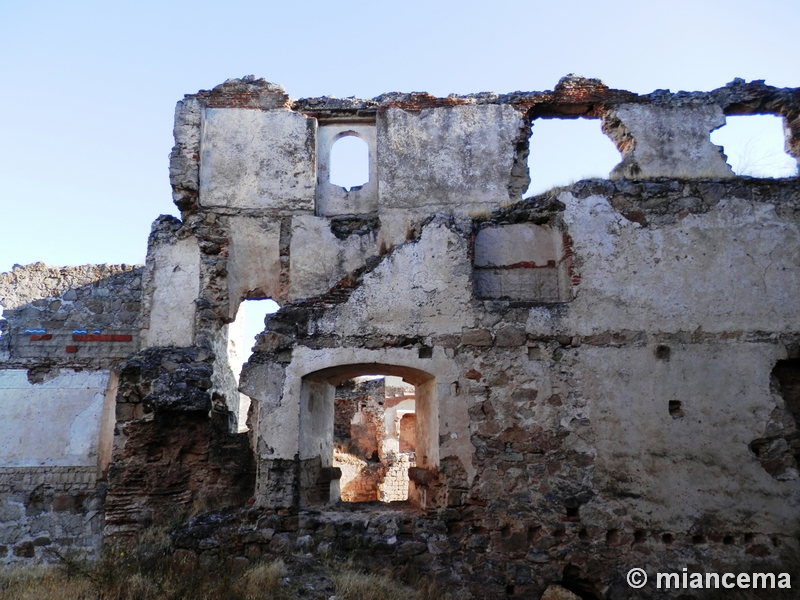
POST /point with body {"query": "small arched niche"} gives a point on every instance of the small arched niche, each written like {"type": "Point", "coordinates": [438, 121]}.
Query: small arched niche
{"type": "Point", "coordinates": [341, 159]}
{"type": "Point", "coordinates": [320, 454]}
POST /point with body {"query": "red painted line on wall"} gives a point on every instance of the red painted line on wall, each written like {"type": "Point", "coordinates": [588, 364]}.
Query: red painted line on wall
{"type": "Point", "coordinates": [102, 337]}
{"type": "Point", "coordinates": [72, 349]}
{"type": "Point", "coordinates": [41, 337]}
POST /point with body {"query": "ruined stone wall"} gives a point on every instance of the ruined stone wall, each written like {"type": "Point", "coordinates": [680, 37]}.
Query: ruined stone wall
{"type": "Point", "coordinates": [71, 316]}
{"type": "Point", "coordinates": [559, 343]}
{"type": "Point", "coordinates": [65, 331]}
{"type": "Point", "coordinates": [603, 372]}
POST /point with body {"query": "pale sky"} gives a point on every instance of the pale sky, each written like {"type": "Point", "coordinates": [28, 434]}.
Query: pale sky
{"type": "Point", "coordinates": [89, 88]}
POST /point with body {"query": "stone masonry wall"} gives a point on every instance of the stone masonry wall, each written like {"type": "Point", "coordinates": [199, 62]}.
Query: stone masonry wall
{"type": "Point", "coordinates": [86, 316]}
{"type": "Point", "coordinates": [65, 329]}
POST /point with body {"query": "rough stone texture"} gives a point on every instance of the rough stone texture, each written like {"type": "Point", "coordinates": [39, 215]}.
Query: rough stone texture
{"type": "Point", "coordinates": [49, 509]}
{"type": "Point", "coordinates": [791, 128]}
{"type": "Point", "coordinates": [47, 307]}
{"type": "Point", "coordinates": [257, 159]}
{"type": "Point", "coordinates": [666, 142]}
{"type": "Point", "coordinates": [556, 592]}
{"type": "Point", "coordinates": [64, 330]}
{"type": "Point", "coordinates": [184, 171]}
{"type": "Point", "coordinates": [157, 476]}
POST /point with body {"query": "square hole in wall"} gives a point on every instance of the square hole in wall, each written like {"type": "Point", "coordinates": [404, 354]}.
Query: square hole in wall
{"type": "Point", "coordinates": [754, 146]}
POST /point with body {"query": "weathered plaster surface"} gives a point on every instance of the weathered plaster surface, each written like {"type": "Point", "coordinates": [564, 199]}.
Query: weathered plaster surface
{"type": "Point", "coordinates": [733, 268]}
{"type": "Point", "coordinates": [52, 423]}
{"type": "Point", "coordinates": [666, 142]}
{"type": "Point", "coordinates": [687, 470]}
{"type": "Point", "coordinates": [459, 157]}
{"type": "Point", "coordinates": [257, 159]}
{"type": "Point", "coordinates": [319, 259]}
{"type": "Point", "coordinates": [175, 280]}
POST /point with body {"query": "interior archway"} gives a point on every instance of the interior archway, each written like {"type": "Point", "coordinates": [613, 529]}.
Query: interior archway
{"type": "Point", "coordinates": [320, 478]}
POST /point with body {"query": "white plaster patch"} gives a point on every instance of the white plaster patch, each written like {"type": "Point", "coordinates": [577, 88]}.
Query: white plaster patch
{"type": "Point", "coordinates": [423, 288]}
{"type": "Point", "coordinates": [458, 156]}
{"type": "Point", "coordinates": [319, 259]}
{"type": "Point", "coordinates": [257, 159]}
{"type": "Point", "coordinates": [176, 279]}
{"type": "Point", "coordinates": [696, 465]}
{"type": "Point", "coordinates": [734, 268]}
{"type": "Point", "coordinates": [54, 423]}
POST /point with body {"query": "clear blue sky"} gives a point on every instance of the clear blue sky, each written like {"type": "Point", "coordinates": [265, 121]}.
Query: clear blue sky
{"type": "Point", "coordinates": [88, 88]}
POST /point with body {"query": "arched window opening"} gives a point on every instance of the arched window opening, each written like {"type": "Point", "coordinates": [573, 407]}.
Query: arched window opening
{"type": "Point", "coordinates": [349, 162]}
{"type": "Point", "coordinates": [374, 438]}
{"type": "Point", "coordinates": [754, 146]}
{"type": "Point", "coordinates": [563, 151]}
{"type": "Point", "coordinates": [241, 340]}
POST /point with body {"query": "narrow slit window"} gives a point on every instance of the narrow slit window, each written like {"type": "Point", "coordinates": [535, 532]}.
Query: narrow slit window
{"type": "Point", "coordinates": [349, 162]}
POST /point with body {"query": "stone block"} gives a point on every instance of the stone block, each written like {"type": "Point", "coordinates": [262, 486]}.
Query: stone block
{"type": "Point", "coordinates": [510, 336]}
{"type": "Point", "coordinates": [25, 550]}
{"type": "Point", "coordinates": [476, 337]}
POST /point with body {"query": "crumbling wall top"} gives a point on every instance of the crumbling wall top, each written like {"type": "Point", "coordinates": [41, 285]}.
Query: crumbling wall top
{"type": "Point", "coordinates": [572, 96]}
